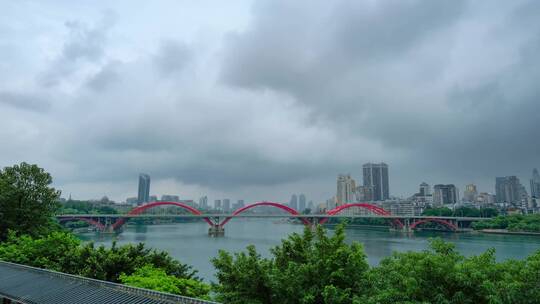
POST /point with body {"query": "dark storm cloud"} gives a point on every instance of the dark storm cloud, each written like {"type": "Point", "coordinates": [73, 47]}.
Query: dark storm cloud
{"type": "Point", "coordinates": [309, 51]}
{"type": "Point", "coordinates": [24, 101]}
{"type": "Point", "coordinates": [381, 70]}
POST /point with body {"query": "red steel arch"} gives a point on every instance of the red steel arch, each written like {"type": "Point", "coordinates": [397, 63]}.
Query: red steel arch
{"type": "Point", "coordinates": [277, 205]}
{"type": "Point", "coordinates": [140, 209]}
{"type": "Point", "coordinates": [435, 220]}
{"type": "Point", "coordinates": [92, 222]}
{"type": "Point", "coordinates": [373, 208]}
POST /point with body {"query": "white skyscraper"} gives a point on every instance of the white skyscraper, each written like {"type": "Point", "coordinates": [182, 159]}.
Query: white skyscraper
{"type": "Point", "coordinates": [346, 187]}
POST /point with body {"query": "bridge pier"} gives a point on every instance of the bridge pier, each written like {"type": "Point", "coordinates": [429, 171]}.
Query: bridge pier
{"type": "Point", "coordinates": [216, 231]}
{"type": "Point", "coordinates": [406, 225]}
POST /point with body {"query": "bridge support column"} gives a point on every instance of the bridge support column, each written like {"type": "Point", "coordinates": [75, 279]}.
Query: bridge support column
{"type": "Point", "coordinates": [216, 231]}
{"type": "Point", "coordinates": [406, 225]}
{"type": "Point", "coordinates": [108, 226]}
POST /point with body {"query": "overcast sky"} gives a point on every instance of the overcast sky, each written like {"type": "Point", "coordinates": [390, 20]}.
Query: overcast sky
{"type": "Point", "coordinates": [262, 99]}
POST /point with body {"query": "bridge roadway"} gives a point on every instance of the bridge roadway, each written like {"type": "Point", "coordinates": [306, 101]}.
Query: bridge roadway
{"type": "Point", "coordinates": [216, 221]}
{"type": "Point", "coordinates": [265, 215]}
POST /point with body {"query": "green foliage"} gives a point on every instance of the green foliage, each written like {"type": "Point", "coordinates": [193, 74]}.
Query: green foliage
{"type": "Point", "coordinates": [153, 278]}
{"type": "Point", "coordinates": [443, 211]}
{"type": "Point", "coordinates": [314, 268]}
{"type": "Point", "coordinates": [27, 201]}
{"type": "Point", "coordinates": [308, 268]}
{"type": "Point", "coordinates": [440, 275]}
{"type": "Point", "coordinates": [63, 252]}
{"type": "Point", "coordinates": [56, 251]}
{"type": "Point", "coordinates": [363, 221]}
{"type": "Point", "coordinates": [85, 207]}
{"type": "Point", "coordinates": [526, 223]}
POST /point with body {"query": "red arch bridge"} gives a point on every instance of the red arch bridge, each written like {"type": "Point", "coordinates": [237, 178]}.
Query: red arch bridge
{"type": "Point", "coordinates": [216, 222]}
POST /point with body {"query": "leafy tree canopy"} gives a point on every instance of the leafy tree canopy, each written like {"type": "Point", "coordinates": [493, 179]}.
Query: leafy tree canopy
{"type": "Point", "coordinates": [308, 268]}
{"type": "Point", "coordinates": [27, 201]}
{"type": "Point", "coordinates": [315, 268]}
{"type": "Point", "coordinates": [150, 277]}
{"type": "Point", "coordinates": [63, 252]}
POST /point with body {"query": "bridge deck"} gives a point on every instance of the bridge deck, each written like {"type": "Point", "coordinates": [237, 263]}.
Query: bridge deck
{"type": "Point", "coordinates": [261, 215]}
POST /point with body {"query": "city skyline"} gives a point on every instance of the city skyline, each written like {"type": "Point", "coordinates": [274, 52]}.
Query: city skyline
{"type": "Point", "coordinates": [348, 192]}
{"type": "Point", "coordinates": [234, 104]}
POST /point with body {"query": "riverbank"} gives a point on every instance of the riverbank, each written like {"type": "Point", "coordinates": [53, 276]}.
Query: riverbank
{"type": "Point", "coordinates": [505, 231]}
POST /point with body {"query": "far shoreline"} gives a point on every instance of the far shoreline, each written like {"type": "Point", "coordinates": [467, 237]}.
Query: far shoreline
{"type": "Point", "coordinates": [505, 231]}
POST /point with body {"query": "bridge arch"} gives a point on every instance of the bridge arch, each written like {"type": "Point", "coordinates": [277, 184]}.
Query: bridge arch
{"type": "Point", "coordinates": [92, 222]}
{"type": "Point", "coordinates": [448, 224]}
{"type": "Point", "coordinates": [138, 210]}
{"type": "Point", "coordinates": [371, 207]}
{"type": "Point", "coordinates": [277, 205]}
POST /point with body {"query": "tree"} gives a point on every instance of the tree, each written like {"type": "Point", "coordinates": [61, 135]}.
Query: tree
{"type": "Point", "coordinates": [308, 268]}
{"type": "Point", "coordinates": [62, 251]}
{"type": "Point", "coordinates": [442, 211]}
{"type": "Point", "coordinates": [153, 278]}
{"type": "Point", "coordinates": [27, 201]}
{"type": "Point", "coordinates": [57, 251]}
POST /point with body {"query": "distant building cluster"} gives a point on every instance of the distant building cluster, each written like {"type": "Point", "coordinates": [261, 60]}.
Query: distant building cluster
{"type": "Point", "coordinates": [375, 188]}
{"type": "Point", "coordinates": [375, 185]}
{"type": "Point", "coordinates": [510, 195]}
{"type": "Point", "coordinates": [144, 197]}
{"type": "Point", "coordinates": [299, 202]}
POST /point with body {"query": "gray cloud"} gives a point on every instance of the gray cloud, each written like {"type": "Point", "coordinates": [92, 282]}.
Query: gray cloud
{"type": "Point", "coordinates": [383, 70]}
{"type": "Point", "coordinates": [304, 90]}
{"type": "Point", "coordinates": [106, 77]}
{"type": "Point", "coordinates": [172, 57]}
{"type": "Point", "coordinates": [24, 101]}
{"type": "Point", "coordinates": [84, 45]}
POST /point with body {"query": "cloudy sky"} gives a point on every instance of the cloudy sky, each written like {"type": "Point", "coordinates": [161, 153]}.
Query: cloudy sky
{"type": "Point", "coordinates": [261, 99]}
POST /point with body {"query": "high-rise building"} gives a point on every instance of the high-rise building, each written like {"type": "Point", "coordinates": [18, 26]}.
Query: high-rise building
{"type": "Point", "coordinates": [470, 193]}
{"type": "Point", "coordinates": [239, 204]}
{"type": "Point", "coordinates": [144, 189]}
{"type": "Point", "coordinates": [203, 202]}
{"type": "Point", "coordinates": [535, 184]}
{"type": "Point", "coordinates": [508, 190]}
{"type": "Point", "coordinates": [523, 197]}
{"type": "Point", "coordinates": [294, 202]}
{"type": "Point", "coordinates": [226, 205]}
{"type": "Point", "coordinates": [445, 194]}
{"type": "Point", "coordinates": [301, 202]}
{"type": "Point", "coordinates": [217, 204]}
{"type": "Point", "coordinates": [376, 176]}
{"type": "Point", "coordinates": [346, 186]}
{"type": "Point", "coordinates": [425, 189]}
{"type": "Point", "coordinates": [363, 193]}
{"type": "Point", "coordinates": [485, 198]}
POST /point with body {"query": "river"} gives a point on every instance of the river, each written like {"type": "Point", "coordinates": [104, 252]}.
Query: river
{"type": "Point", "coordinates": [189, 242]}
